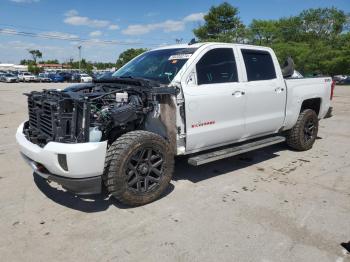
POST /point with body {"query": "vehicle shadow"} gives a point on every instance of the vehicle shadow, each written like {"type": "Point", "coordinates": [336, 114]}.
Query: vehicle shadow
{"type": "Point", "coordinates": [183, 171]}
{"type": "Point", "coordinates": [87, 204]}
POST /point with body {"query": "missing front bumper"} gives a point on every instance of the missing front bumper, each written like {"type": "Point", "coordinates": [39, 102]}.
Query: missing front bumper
{"type": "Point", "coordinates": [79, 186]}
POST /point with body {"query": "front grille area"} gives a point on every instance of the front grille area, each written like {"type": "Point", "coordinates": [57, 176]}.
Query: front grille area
{"type": "Point", "coordinates": [41, 116]}
{"type": "Point", "coordinates": [54, 116]}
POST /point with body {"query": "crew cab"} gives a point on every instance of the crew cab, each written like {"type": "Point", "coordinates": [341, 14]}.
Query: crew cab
{"type": "Point", "coordinates": [206, 100]}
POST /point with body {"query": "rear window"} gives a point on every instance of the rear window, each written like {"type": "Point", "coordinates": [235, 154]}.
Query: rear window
{"type": "Point", "coordinates": [259, 65]}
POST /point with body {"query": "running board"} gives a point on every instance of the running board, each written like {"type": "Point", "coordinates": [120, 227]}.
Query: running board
{"type": "Point", "coordinates": [234, 150]}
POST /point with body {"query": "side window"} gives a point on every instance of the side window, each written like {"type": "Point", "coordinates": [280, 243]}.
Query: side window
{"type": "Point", "coordinates": [259, 65]}
{"type": "Point", "coordinates": [217, 66]}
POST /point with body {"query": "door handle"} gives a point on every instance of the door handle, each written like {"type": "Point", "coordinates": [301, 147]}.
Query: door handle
{"type": "Point", "coordinates": [279, 89]}
{"type": "Point", "coordinates": [238, 93]}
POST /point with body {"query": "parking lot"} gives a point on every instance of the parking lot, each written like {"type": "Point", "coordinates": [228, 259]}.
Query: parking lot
{"type": "Point", "coordinates": [269, 205]}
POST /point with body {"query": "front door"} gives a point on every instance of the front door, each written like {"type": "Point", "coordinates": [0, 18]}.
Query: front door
{"type": "Point", "coordinates": [215, 104]}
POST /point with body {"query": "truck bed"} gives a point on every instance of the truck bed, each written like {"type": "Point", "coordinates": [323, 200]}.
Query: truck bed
{"type": "Point", "coordinates": [301, 89]}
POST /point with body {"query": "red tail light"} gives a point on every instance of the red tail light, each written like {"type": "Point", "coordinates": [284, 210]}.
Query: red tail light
{"type": "Point", "coordinates": [332, 89]}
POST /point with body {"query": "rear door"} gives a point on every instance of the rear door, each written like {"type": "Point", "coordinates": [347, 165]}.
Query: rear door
{"type": "Point", "coordinates": [214, 100]}
{"type": "Point", "coordinates": [265, 92]}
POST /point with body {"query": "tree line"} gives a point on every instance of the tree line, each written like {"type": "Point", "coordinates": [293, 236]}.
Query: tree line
{"type": "Point", "coordinates": [317, 39]}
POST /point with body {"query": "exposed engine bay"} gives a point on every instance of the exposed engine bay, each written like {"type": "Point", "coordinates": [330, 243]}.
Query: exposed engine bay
{"type": "Point", "coordinates": [93, 112]}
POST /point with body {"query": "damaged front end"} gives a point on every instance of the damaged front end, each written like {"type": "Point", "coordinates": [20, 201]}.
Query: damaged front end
{"type": "Point", "coordinates": [93, 112]}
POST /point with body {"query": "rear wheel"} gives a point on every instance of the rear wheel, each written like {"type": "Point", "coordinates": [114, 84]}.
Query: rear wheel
{"type": "Point", "coordinates": [303, 135]}
{"type": "Point", "coordinates": [138, 168]}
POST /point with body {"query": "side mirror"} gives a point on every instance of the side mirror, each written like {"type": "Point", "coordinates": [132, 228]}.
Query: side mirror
{"type": "Point", "coordinates": [288, 67]}
{"type": "Point", "coordinates": [191, 79]}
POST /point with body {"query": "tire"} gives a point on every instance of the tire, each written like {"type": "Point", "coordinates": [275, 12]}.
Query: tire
{"type": "Point", "coordinates": [138, 168]}
{"type": "Point", "coordinates": [303, 135]}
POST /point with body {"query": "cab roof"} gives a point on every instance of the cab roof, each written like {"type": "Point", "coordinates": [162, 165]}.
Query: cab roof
{"type": "Point", "coordinates": [198, 45]}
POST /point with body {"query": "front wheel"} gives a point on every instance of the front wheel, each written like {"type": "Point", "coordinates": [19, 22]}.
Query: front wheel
{"type": "Point", "coordinates": [138, 168]}
{"type": "Point", "coordinates": [304, 133]}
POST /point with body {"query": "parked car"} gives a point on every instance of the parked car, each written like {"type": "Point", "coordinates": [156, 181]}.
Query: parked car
{"type": "Point", "coordinates": [85, 78]}
{"type": "Point", "coordinates": [75, 77]}
{"type": "Point", "coordinates": [345, 81]}
{"type": "Point", "coordinates": [43, 78]}
{"type": "Point", "coordinates": [8, 78]}
{"type": "Point", "coordinates": [339, 78]}
{"type": "Point", "coordinates": [56, 78]}
{"type": "Point", "coordinates": [208, 101]}
{"type": "Point", "coordinates": [26, 77]}
{"type": "Point", "coordinates": [66, 75]}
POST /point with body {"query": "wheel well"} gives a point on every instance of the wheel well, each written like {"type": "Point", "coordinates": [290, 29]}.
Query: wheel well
{"type": "Point", "coordinates": [313, 103]}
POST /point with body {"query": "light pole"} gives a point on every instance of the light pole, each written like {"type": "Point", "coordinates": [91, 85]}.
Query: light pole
{"type": "Point", "coordinates": [79, 47]}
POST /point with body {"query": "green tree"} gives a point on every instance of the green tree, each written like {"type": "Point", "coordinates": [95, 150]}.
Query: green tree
{"type": "Point", "coordinates": [127, 55]}
{"type": "Point", "coordinates": [322, 22]}
{"type": "Point", "coordinates": [102, 66]}
{"type": "Point", "coordinates": [85, 66]}
{"type": "Point", "coordinates": [52, 61]}
{"type": "Point", "coordinates": [289, 29]}
{"type": "Point", "coordinates": [263, 31]}
{"type": "Point", "coordinates": [35, 54]}
{"type": "Point", "coordinates": [33, 68]}
{"type": "Point", "coordinates": [316, 39]}
{"type": "Point", "coordinates": [221, 24]}
{"type": "Point", "coordinates": [25, 62]}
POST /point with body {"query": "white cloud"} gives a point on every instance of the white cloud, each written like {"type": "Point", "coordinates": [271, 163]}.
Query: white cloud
{"type": "Point", "coordinates": [113, 27]}
{"type": "Point", "coordinates": [73, 18]}
{"type": "Point", "coordinates": [95, 33]}
{"type": "Point", "coordinates": [71, 12]}
{"type": "Point", "coordinates": [151, 14]}
{"type": "Point", "coordinates": [25, 1]}
{"type": "Point", "coordinates": [60, 35]}
{"type": "Point", "coordinates": [166, 26]}
{"type": "Point", "coordinates": [82, 20]}
{"type": "Point", "coordinates": [196, 17]}
{"type": "Point", "coordinates": [50, 34]}
{"type": "Point", "coordinates": [8, 31]}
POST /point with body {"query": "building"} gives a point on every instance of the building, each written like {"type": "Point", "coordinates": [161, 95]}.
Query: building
{"type": "Point", "coordinates": [48, 67]}
{"type": "Point", "coordinates": [13, 67]}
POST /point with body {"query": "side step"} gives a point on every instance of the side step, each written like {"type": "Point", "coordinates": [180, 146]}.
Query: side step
{"type": "Point", "coordinates": [234, 150]}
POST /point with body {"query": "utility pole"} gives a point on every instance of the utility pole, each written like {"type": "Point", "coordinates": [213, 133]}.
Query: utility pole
{"type": "Point", "coordinates": [79, 47]}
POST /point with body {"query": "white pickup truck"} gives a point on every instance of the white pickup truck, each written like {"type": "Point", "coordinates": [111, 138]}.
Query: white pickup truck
{"type": "Point", "coordinates": [206, 100]}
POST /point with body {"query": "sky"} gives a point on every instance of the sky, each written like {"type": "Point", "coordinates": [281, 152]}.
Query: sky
{"type": "Point", "coordinates": [105, 28]}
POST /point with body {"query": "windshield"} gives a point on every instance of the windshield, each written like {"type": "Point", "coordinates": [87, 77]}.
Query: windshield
{"type": "Point", "coordinates": [158, 65]}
